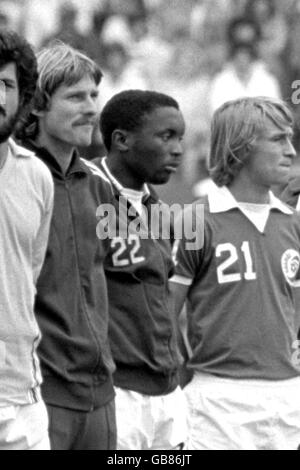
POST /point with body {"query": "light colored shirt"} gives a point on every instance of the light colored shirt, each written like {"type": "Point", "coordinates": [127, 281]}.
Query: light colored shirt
{"type": "Point", "coordinates": [227, 85]}
{"type": "Point", "coordinates": [26, 202]}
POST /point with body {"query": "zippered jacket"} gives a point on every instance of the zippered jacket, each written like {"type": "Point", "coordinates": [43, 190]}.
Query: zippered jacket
{"type": "Point", "coordinates": [71, 303]}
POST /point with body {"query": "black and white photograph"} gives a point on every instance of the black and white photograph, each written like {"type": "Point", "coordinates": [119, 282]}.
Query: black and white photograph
{"type": "Point", "coordinates": [149, 228]}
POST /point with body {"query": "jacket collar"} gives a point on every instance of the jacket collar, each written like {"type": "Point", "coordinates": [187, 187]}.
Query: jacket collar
{"type": "Point", "coordinates": [76, 167]}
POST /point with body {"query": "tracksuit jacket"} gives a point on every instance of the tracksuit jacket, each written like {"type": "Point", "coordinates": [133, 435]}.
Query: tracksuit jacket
{"type": "Point", "coordinates": [142, 328]}
{"type": "Point", "coordinates": [71, 303]}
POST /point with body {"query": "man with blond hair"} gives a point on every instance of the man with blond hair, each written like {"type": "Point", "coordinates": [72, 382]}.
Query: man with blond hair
{"type": "Point", "coordinates": [240, 286]}
{"type": "Point", "coordinates": [71, 304]}
{"type": "Point", "coordinates": [26, 201]}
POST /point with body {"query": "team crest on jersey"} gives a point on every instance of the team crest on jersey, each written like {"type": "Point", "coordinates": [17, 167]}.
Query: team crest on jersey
{"type": "Point", "coordinates": [290, 263]}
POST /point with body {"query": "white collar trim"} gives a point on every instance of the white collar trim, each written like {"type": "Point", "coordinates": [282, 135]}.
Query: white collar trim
{"type": "Point", "coordinates": [222, 200]}
{"type": "Point", "coordinates": [117, 184]}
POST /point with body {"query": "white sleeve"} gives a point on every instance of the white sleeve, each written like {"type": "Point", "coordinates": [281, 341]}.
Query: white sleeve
{"type": "Point", "coordinates": [41, 241]}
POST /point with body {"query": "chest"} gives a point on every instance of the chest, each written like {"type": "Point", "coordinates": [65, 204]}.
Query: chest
{"type": "Point", "coordinates": [237, 252]}
{"type": "Point", "coordinates": [138, 250]}
{"type": "Point", "coordinates": [21, 207]}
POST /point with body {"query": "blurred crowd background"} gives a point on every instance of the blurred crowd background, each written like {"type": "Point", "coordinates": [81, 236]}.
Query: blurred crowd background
{"type": "Point", "coordinates": [202, 52]}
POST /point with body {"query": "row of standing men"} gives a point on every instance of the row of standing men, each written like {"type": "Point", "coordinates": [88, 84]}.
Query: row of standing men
{"type": "Point", "coordinates": [109, 354]}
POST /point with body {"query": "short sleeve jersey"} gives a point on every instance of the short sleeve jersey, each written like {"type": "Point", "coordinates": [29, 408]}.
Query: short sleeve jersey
{"type": "Point", "coordinates": [242, 321]}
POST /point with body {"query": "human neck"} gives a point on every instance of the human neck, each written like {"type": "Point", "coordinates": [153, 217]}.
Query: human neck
{"type": "Point", "coordinates": [123, 174]}
{"type": "Point", "coordinates": [62, 152]}
{"type": "Point", "coordinates": [244, 191]}
{"type": "Point", "coordinates": [3, 153]}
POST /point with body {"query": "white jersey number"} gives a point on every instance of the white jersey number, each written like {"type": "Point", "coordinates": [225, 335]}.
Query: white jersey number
{"type": "Point", "coordinates": [130, 247]}
{"type": "Point", "coordinates": [248, 275]}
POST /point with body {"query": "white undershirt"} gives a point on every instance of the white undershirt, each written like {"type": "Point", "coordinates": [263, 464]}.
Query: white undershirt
{"type": "Point", "coordinates": [258, 214]}
{"type": "Point", "coordinates": [135, 198]}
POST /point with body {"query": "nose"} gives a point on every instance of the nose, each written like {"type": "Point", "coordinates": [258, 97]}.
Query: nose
{"type": "Point", "coordinates": [177, 148]}
{"type": "Point", "coordinates": [90, 106]}
{"type": "Point", "coordinates": [290, 149]}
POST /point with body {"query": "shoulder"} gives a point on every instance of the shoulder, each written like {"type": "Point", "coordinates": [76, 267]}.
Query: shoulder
{"type": "Point", "coordinates": [31, 166]}
{"type": "Point", "coordinates": [94, 168]}
{"type": "Point", "coordinates": [98, 180]}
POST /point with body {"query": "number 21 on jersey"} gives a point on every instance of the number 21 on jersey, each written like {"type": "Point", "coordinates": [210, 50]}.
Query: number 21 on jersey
{"type": "Point", "coordinates": [233, 256]}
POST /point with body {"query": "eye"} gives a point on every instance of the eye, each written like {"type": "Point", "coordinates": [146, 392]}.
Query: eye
{"type": "Point", "coordinates": [74, 97]}
{"type": "Point", "coordinates": [166, 137]}
{"type": "Point", "coordinates": [9, 85]}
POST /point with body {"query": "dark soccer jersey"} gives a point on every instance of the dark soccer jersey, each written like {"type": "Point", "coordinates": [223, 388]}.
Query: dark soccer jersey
{"type": "Point", "coordinates": [142, 328]}
{"type": "Point", "coordinates": [241, 308]}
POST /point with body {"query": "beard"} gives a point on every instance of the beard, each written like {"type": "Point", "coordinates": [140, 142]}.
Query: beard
{"type": "Point", "coordinates": [8, 127]}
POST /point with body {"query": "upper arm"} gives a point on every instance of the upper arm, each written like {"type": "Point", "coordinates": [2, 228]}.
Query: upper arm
{"type": "Point", "coordinates": [41, 240]}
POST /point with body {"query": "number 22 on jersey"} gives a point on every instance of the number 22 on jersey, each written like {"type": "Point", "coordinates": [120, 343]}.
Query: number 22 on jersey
{"type": "Point", "coordinates": [127, 251]}
{"type": "Point", "coordinates": [233, 256]}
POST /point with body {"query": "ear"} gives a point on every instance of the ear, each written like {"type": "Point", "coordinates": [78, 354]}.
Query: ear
{"type": "Point", "coordinates": [37, 113]}
{"type": "Point", "coordinates": [247, 150]}
{"type": "Point", "coordinates": [245, 154]}
{"type": "Point", "coordinates": [120, 140]}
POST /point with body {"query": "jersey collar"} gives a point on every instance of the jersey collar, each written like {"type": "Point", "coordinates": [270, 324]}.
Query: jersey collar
{"type": "Point", "coordinates": [119, 187]}
{"type": "Point", "coordinates": [222, 200]}
{"type": "Point", "coordinates": [18, 151]}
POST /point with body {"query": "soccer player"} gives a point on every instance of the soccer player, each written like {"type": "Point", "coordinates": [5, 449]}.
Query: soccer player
{"type": "Point", "coordinates": [240, 287]}
{"type": "Point", "coordinates": [142, 132]}
{"type": "Point", "coordinates": [26, 201]}
{"type": "Point", "coordinates": [71, 304]}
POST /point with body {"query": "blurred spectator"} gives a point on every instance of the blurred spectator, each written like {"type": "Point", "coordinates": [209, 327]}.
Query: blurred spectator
{"type": "Point", "coordinates": [131, 10]}
{"type": "Point", "coordinates": [120, 72]}
{"type": "Point", "coordinates": [4, 21]}
{"type": "Point", "coordinates": [208, 27]}
{"type": "Point", "coordinates": [242, 30]}
{"type": "Point", "coordinates": [209, 19]}
{"type": "Point", "coordinates": [291, 60]}
{"type": "Point", "coordinates": [152, 51]}
{"type": "Point", "coordinates": [243, 76]}
{"type": "Point", "coordinates": [274, 31]}
{"type": "Point", "coordinates": [116, 29]}
{"type": "Point", "coordinates": [185, 78]}
{"type": "Point", "coordinates": [176, 46]}
{"type": "Point", "coordinates": [39, 20]}
{"type": "Point", "coordinates": [10, 11]}
{"type": "Point", "coordinates": [292, 51]}
{"type": "Point", "coordinates": [237, 8]}
{"type": "Point", "coordinates": [68, 31]}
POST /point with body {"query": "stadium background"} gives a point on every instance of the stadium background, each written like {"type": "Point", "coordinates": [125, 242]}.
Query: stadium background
{"type": "Point", "coordinates": [174, 46]}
